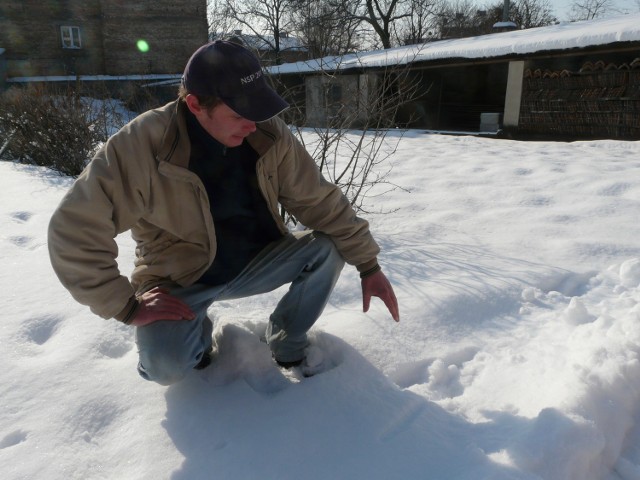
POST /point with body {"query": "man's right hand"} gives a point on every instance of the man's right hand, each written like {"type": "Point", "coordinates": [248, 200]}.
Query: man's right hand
{"type": "Point", "coordinates": [159, 304]}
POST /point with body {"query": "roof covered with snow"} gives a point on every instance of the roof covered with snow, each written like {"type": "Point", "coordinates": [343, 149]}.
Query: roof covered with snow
{"type": "Point", "coordinates": [563, 36]}
{"type": "Point", "coordinates": [266, 43]}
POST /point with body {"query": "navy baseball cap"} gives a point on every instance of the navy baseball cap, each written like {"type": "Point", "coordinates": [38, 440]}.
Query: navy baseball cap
{"type": "Point", "coordinates": [233, 74]}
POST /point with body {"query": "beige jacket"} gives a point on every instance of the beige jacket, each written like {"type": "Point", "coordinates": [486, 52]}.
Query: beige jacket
{"type": "Point", "coordinates": [140, 181]}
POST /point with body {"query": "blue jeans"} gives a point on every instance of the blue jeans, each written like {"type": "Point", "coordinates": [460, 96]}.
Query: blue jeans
{"type": "Point", "coordinates": [168, 350]}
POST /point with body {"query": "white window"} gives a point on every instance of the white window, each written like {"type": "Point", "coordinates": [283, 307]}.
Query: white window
{"type": "Point", "coordinates": [70, 37]}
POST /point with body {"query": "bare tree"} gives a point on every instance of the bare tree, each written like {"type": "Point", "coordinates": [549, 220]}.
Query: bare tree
{"type": "Point", "coordinates": [460, 18]}
{"type": "Point", "coordinates": [219, 19]}
{"type": "Point", "coordinates": [590, 9]}
{"type": "Point", "coordinates": [269, 20]}
{"type": "Point", "coordinates": [524, 13]}
{"type": "Point", "coordinates": [532, 13]}
{"type": "Point", "coordinates": [421, 23]}
{"type": "Point", "coordinates": [324, 29]}
{"type": "Point", "coordinates": [354, 146]}
{"type": "Point", "coordinates": [380, 15]}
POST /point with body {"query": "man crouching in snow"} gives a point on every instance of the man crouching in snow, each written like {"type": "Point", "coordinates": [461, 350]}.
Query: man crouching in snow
{"type": "Point", "coordinates": [199, 183]}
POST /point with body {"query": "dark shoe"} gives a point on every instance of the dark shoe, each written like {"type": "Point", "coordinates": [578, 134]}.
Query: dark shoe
{"type": "Point", "coordinates": [205, 361]}
{"type": "Point", "coordinates": [288, 365]}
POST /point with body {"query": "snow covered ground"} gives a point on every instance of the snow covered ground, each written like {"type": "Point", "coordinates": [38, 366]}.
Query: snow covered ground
{"type": "Point", "coordinates": [517, 267]}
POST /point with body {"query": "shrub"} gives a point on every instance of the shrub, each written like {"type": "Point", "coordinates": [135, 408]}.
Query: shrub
{"type": "Point", "coordinates": [59, 131]}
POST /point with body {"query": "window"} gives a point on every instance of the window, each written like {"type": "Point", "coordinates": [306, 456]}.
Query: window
{"type": "Point", "coordinates": [70, 37]}
{"type": "Point", "coordinates": [334, 94]}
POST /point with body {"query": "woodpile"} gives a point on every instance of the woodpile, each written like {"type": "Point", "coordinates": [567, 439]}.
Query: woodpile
{"type": "Point", "coordinates": [600, 100]}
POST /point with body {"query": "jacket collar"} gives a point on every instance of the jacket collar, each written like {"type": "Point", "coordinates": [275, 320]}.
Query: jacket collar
{"type": "Point", "coordinates": [175, 146]}
{"type": "Point", "coordinates": [264, 137]}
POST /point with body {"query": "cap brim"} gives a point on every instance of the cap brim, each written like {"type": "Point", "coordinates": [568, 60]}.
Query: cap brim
{"type": "Point", "coordinates": [259, 106]}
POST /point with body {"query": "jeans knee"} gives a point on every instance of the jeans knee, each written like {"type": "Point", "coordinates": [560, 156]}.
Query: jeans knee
{"type": "Point", "coordinates": [332, 256]}
{"type": "Point", "coordinates": [165, 367]}
{"type": "Point", "coordinates": [168, 350]}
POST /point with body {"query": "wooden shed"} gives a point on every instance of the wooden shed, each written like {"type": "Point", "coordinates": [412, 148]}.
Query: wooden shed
{"type": "Point", "coordinates": [567, 81]}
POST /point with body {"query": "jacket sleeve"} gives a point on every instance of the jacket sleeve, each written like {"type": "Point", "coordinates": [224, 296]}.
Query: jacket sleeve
{"type": "Point", "coordinates": [105, 200]}
{"type": "Point", "coordinates": [321, 205]}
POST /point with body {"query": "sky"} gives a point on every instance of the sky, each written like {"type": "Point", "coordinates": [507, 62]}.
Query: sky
{"type": "Point", "coordinates": [517, 269]}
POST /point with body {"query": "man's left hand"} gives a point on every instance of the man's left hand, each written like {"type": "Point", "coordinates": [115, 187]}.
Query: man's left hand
{"type": "Point", "coordinates": [377, 285]}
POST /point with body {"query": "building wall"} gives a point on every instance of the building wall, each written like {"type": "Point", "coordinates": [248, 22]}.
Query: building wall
{"type": "Point", "coordinates": [173, 30]}
{"type": "Point", "coordinates": [333, 101]}
{"type": "Point", "coordinates": [30, 33]}
{"type": "Point", "coordinates": [3, 70]}
{"type": "Point", "coordinates": [110, 30]}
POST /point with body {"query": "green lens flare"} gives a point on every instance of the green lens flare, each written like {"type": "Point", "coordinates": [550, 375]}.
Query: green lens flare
{"type": "Point", "coordinates": [143, 46]}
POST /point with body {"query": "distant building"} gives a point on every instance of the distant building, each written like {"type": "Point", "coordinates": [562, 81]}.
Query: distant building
{"type": "Point", "coordinates": [99, 37]}
{"type": "Point", "coordinates": [291, 49]}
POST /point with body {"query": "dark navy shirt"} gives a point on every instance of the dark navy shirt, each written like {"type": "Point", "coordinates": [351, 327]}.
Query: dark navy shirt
{"type": "Point", "coordinates": [244, 225]}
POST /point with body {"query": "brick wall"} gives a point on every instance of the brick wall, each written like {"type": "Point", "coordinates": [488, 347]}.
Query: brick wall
{"type": "Point", "coordinates": [110, 29]}
{"type": "Point", "coordinates": [30, 33]}
{"type": "Point", "coordinates": [173, 30]}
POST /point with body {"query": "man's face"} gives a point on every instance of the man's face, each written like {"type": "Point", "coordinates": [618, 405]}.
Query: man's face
{"type": "Point", "coordinates": [222, 123]}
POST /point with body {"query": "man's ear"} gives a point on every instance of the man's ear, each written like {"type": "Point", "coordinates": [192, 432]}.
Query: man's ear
{"type": "Point", "coordinates": [193, 104]}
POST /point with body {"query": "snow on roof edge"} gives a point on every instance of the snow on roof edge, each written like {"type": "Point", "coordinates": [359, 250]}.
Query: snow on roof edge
{"type": "Point", "coordinates": [563, 36]}
{"type": "Point", "coordinates": [72, 78]}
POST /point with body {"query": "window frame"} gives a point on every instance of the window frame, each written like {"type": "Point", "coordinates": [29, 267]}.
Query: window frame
{"type": "Point", "coordinates": [71, 37]}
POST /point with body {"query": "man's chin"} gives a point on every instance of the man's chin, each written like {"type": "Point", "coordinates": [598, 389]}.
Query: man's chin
{"type": "Point", "coordinates": [234, 142]}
